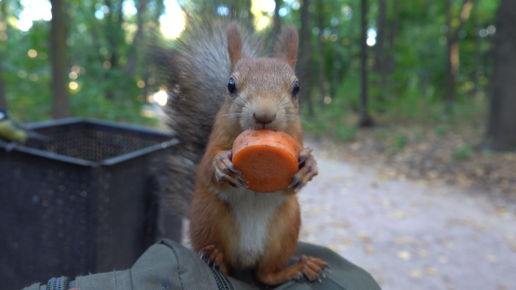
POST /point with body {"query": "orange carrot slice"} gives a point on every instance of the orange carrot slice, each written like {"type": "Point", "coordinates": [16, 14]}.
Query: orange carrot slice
{"type": "Point", "coordinates": [267, 159]}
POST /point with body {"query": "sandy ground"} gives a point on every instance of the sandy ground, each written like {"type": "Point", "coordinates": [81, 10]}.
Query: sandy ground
{"type": "Point", "coordinates": [407, 234]}
{"type": "Point", "coordinates": [410, 235]}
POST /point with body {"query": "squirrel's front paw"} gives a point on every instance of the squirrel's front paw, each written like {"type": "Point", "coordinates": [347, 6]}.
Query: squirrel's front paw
{"type": "Point", "coordinates": [307, 170]}
{"type": "Point", "coordinates": [225, 170]}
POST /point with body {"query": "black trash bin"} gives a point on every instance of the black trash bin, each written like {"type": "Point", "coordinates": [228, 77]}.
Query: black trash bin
{"type": "Point", "coordinates": [85, 201]}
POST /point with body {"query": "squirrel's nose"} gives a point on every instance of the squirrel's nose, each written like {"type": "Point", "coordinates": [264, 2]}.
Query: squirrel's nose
{"type": "Point", "coordinates": [264, 118]}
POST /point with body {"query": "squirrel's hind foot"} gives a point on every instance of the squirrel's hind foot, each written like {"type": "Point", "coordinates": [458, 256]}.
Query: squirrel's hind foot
{"type": "Point", "coordinates": [306, 268]}
{"type": "Point", "coordinates": [312, 269]}
{"type": "Point", "coordinates": [213, 258]}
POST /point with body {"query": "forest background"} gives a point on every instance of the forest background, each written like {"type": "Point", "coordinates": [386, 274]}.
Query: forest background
{"type": "Point", "coordinates": [425, 86]}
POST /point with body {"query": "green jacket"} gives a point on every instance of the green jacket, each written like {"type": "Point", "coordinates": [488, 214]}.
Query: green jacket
{"type": "Point", "coordinates": [168, 265]}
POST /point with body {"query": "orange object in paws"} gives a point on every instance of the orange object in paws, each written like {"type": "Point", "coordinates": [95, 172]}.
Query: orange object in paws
{"type": "Point", "coordinates": [266, 158]}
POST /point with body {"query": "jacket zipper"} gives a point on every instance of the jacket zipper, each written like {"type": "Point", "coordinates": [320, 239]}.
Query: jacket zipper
{"type": "Point", "coordinates": [222, 282]}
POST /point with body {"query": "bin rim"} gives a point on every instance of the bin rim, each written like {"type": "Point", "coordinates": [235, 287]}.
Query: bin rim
{"type": "Point", "coordinates": [82, 162]}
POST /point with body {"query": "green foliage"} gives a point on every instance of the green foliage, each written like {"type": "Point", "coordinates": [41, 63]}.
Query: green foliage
{"type": "Point", "coordinates": [102, 52]}
{"type": "Point", "coordinates": [99, 52]}
{"type": "Point", "coordinates": [462, 153]}
{"type": "Point", "coordinates": [400, 141]}
{"type": "Point", "coordinates": [415, 84]}
{"type": "Point", "coordinates": [441, 130]}
{"type": "Point", "coordinates": [345, 133]}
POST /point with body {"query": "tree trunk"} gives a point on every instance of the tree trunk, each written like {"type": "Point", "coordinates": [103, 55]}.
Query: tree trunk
{"type": "Point", "coordinates": [113, 30]}
{"type": "Point", "coordinates": [133, 55]}
{"type": "Point", "coordinates": [452, 44]}
{"type": "Point", "coordinates": [250, 16]}
{"type": "Point", "coordinates": [335, 66]}
{"type": "Point", "coordinates": [114, 36]}
{"type": "Point", "coordinates": [3, 97]}
{"type": "Point", "coordinates": [320, 50]}
{"type": "Point", "coordinates": [501, 130]}
{"type": "Point", "coordinates": [232, 10]}
{"type": "Point", "coordinates": [476, 64]}
{"type": "Point", "coordinates": [336, 63]}
{"type": "Point", "coordinates": [3, 49]}
{"type": "Point", "coordinates": [450, 75]}
{"type": "Point", "coordinates": [276, 26]}
{"type": "Point", "coordinates": [389, 51]}
{"type": "Point", "coordinates": [389, 62]}
{"type": "Point", "coordinates": [379, 47]}
{"type": "Point", "coordinates": [351, 36]}
{"type": "Point", "coordinates": [365, 119]}
{"type": "Point", "coordinates": [61, 104]}
{"type": "Point", "coordinates": [304, 66]}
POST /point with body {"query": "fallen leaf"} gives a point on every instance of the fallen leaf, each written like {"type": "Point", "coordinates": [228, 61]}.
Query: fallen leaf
{"type": "Point", "coordinates": [502, 212]}
{"type": "Point", "coordinates": [415, 274]}
{"type": "Point", "coordinates": [422, 253]}
{"type": "Point", "coordinates": [400, 241]}
{"type": "Point", "coordinates": [368, 249]}
{"type": "Point", "coordinates": [491, 258]}
{"type": "Point", "coordinates": [450, 245]}
{"type": "Point", "coordinates": [339, 232]}
{"type": "Point", "coordinates": [399, 214]}
{"type": "Point", "coordinates": [404, 255]}
{"type": "Point", "coordinates": [364, 237]}
{"type": "Point", "coordinates": [430, 270]}
{"type": "Point", "coordinates": [443, 259]}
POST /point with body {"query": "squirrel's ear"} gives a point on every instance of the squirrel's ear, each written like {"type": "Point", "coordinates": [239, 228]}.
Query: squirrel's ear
{"type": "Point", "coordinates": [285, 46]}
{"type": "Point", "coordinates": [234, 37]}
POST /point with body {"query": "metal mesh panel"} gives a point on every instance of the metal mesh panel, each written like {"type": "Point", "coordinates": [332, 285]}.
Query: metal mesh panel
{"type": "Point", "coordinates": [58, 217]}
{"type": "Point", "coordinates": [91, 142]}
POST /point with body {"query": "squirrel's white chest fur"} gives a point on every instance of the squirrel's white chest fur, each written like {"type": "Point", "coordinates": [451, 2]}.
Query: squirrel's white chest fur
{"type": "Point", "coordinates": [253, 212]}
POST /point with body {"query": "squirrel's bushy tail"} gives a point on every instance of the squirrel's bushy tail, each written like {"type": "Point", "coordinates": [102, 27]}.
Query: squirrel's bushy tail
{"type": "Point", "coordinates": [196, 72]}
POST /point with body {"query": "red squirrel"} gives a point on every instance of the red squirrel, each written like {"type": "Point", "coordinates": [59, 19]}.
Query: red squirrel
{"type": "Point", "coordinates": [232, 227]}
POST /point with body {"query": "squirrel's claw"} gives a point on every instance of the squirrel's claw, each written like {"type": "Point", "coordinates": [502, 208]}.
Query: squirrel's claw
{"type": "Point", "coordinates": [307, 170]}
{"type": "Point", "coordinates": [312, 268]}
{"type": "Point", "coordinates": [213, 258]}
{"type": "Point", "coordinates": [225, 170]}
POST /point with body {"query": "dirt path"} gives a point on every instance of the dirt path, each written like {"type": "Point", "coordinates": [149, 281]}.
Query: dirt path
{"type": "Point", "coordinates": [410, 235]}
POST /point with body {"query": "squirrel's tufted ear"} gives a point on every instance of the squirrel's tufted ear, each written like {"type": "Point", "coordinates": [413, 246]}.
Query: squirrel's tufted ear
{"type": "Point", "coordinates": [234, 36]}
{"type": "Point", "coordinates": [285, 46]}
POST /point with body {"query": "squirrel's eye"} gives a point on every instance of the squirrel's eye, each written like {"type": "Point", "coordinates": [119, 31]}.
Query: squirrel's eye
{"type": "Point", "coordinates": [295, 90]}
{"type": "Point", "coordinates": [231, 86]}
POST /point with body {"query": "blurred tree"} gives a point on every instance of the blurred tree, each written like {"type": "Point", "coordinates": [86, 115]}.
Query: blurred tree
{"type": "Point", "coordinates": [453, 60]}
{"type": "Point", "coordinates": [115, 37]}
{"type": "Point", "coordinates": [501, 129]}
{"type": "Point", "coordinates": [320, 53]}
{"type": "Point", "coordinates": [249, 16]}
{"type": "Point", "coordinates": [351, 38]}
{"type": "Point", "coordinates": [276, 21]}
{"type": "Point", "coordinates": [3, 39]}
{"type": "Point", "coordinates": [379, 48]}
{"type": "Point", "coordinates": [61, 102]}
{"type": "Point", "coordinates": [304, 67]}
{"type": "Point", "coordinates": [335, 63]}
{"type": "Point", "coordinates": [365, 118]}
{"type": "Point", "coordinates": [133, 55]}
{"type": "Point", "coordinates": [105, 50]}
{"type": "Point", "coordinates": [476, 65]}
